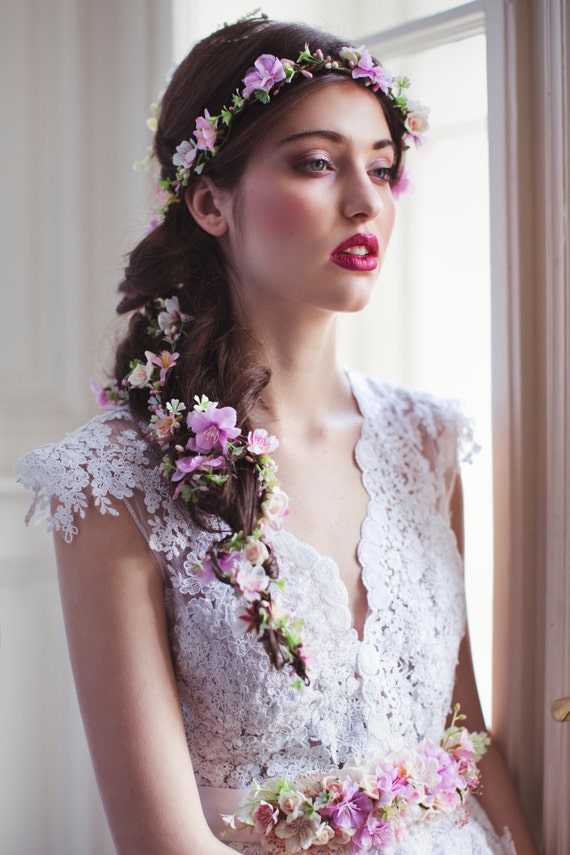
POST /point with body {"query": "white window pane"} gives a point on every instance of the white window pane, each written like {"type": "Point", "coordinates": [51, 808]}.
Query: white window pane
{"type": "Point", "coordinates": [429, 322]}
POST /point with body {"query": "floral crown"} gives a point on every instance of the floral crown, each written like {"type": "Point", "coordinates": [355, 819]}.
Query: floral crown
{"type": "Point", "coordinates": [265, 79]}
{"type": "Point", "coordinates": [202, 447]}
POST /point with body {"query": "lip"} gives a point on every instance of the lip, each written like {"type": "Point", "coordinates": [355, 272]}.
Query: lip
{"type": "Point", "coordinates": [357, 262]}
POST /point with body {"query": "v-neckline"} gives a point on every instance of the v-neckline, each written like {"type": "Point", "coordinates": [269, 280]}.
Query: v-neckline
{"type": "Point", "coordinates": [309, 548]}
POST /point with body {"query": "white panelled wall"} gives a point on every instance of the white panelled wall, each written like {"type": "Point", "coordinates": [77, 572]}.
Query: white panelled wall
{"type": "Point", "coordinates": [77, 79]}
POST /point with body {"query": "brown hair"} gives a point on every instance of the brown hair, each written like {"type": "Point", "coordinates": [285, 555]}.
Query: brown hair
{"type": "Point", "coordinates": [180, 258]}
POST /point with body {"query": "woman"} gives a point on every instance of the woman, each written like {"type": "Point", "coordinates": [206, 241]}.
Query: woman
{"type": "Point", "coordinates": [281, 152]}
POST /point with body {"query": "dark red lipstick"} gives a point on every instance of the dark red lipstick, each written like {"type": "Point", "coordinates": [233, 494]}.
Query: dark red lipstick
{"type": "Point", "coordinates": [359, 252]}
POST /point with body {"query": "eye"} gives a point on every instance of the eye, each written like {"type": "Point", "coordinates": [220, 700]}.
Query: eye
{"type": "Point", "coordinates": [383, 173]}
{"type": "Point", "coordinates": [317, 164]}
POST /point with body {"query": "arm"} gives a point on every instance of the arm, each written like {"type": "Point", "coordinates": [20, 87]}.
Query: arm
{"type": "Point", "coordinates": [499, 796]}
{"type": "Point", "coordinates": [112, 598]}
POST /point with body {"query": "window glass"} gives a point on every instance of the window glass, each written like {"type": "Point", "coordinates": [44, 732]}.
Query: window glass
{"type": "Point", "coordinates": [347, 18]}
{"type": "Point", "coordinates": [429, 322]}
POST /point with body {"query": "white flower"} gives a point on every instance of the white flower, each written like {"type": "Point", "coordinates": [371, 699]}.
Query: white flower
{"type": "Point", "coordinates": [417, 120]}
{"type": "Point", "coordinates": [301, 832]}
{"type": "Point", "coordinates": [369, 784]}
{"type": "Point", "coordinates": [274, 507]}
{"type": "Point", "coordinates": [323, 834]}
{"type": "Point", "coordinates": [255, 551]}
{"type": "Point", "coordinates": [140, 375]}
{"type": "Point", "coordinates": [293, 803]}
{"type": "Point", "coordinates": [171, 314]}
{"type": "Point", "coordinates": [350, 54]}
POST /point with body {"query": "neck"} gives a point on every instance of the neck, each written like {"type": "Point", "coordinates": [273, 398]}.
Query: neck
{"type": "Point", "coordinates": [308, 389]}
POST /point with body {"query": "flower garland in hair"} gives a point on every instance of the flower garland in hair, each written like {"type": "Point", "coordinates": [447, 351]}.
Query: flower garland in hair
{"type": "Point", "coordinates": [268, 75]}
{"type": "Point", "coordinates": [203, 463]}
{"type": "Point", "coordinates": [366, 807]}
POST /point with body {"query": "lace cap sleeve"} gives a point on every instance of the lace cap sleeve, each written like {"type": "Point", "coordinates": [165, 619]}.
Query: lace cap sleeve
{"type": "Point", "coordinates": [446, 434]}
{"type": "Point", "coordinates": [106, 459]}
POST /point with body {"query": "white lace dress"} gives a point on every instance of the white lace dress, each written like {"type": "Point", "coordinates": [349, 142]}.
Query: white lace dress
{"type": "Point", "coordinates": [243, 720]}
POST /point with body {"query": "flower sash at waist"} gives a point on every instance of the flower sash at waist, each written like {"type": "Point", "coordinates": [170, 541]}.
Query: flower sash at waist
{"type": "Point", "coordinates": [218, 802]}
{"type": "Point", "coordinates": [367, 806]}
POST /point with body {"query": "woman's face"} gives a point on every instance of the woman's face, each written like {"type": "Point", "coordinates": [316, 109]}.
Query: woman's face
{"type": "Point", "coordinates": [310, 223]}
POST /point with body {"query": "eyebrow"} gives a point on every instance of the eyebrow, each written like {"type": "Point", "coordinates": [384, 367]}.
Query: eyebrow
{"type": "Point", "coordinates": [334, 137]}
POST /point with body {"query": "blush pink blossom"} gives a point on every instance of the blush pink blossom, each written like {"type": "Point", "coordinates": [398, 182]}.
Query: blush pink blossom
{"type": "Point", "coordinates": [106, 398]}
{"type": "Point", "coordinates": [378, 76]}
{"type": "Point", "coordinates": [212, 427]}
{"type": "Point", "coordinates": [186, 465]}
{"type": "Point", "coordinates": [265, 816]}
{"type": "Point", "coordinates": [152, 224]}
{"type": "Point", "coordinates": [260, 442]}
{"type": "Point", "coordinates": [205, 570]}
{"type": "Point", "coordinates": [264, 74]}
{"type": "Point", "coordinates": [374, 834]}
{"type": "Point", "coordinates": [165, 360]}
{"type": "Point", "coordinates": [205, 132]}
{"type": "Point", "coordinates": [163, 424]}
{"type": "Point", "coordinates": [251, 580]}
{"type": "Point", "coordinates": [185, 154]}
{"type": "Point", "coordinates": [417, 120]}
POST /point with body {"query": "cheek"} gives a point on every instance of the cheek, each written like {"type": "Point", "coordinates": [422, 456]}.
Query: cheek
{"type": "Point", "coordinates": [389, 216]}
{"type": "Point", "coordinates": [279, 212]}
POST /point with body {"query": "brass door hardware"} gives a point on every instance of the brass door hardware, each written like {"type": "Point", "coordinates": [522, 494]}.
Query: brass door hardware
{"type": "Point", "coordinates": [561, 709]}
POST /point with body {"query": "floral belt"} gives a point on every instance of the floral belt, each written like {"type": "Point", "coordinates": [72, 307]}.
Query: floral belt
{"type": "Point", "coordinates": [365, 806]}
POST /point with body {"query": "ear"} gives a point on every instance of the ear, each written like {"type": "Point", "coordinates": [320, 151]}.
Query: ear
{"type": "Point", "coordinates": [209, 206]}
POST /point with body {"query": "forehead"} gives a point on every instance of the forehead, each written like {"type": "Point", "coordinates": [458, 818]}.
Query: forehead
{"type": "Point", "coordinates": [338, 105]}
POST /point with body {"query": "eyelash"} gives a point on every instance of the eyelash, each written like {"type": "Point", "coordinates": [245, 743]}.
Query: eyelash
{"type": "Point", "coordinates": [383, 173]}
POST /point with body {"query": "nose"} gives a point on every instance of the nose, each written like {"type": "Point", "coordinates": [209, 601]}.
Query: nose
{"type": "Point", "coordinates": [362, 198]}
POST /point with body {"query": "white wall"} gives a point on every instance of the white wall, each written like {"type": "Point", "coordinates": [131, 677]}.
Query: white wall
{"type": "Point", "coordinates": [77, 79]}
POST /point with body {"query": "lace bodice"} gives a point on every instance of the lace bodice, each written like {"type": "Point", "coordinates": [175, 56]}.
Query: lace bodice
{"type": "Point", "coordinates": [243, 720]}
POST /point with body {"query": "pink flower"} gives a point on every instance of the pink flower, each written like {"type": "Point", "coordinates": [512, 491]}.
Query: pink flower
{"type": "Point", "coordinates": [265, 816]}
{"type": "Point", "coordinates": [185, 154]}
{"type": "Point", "coordinates": [205, 132]}
{"type": "Point", "coordinates": [186, 465]}
{"type": "Point", "coordinates": [163, 424]}
{"type": "Point", "coordinates": [165, 360]}
{"type": "Point", "coordinates": [251, 580]}
{"type": "Point", "coordinates": [446, 769]}
{"type": "Point", "coordinates": [352, 810]}
{"type": "Point", "coordinates": [266, 72]}
{"type": "Point", "coordinates": [259, 442]}
{"type": "Point", "coordinates": [374, 834]}
{"type": "Point", "coordinates": [378, 76]}
{"type": "Point", "coordinates": [152, 224]}
{"type": "Point", "coordinates": [205, 569]}
{"type": "Point", "coordinates": [417, 120]}
{"type": "Point", "coordinates": [106, 397]}
{"type": "Point", "coordinates": [212, 427]}
{"type": "Point", "coordinates": [392, 784]}
{"type": "Point", "coordinates": [402, 185]}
